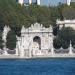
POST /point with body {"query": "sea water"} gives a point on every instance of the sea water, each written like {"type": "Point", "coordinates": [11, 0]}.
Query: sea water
{"type": "Point", "coordinates": [38, 67]}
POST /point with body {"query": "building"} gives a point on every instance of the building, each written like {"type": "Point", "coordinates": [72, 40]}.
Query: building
{"type": "Point", "coordinates": [69, 1]}
{"type": "Point", "coordinates": [66, 23]}
{"type": "Point", "coordinates": [20, 2]}
{"type": "Point", "coordinates": [37, 2]}
{"type": "Point", "coordinates": [34, 41]}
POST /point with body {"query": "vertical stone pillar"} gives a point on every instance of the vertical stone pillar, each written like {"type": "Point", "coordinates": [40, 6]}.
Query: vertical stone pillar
{"type": "Point", "coordinates": [51, 37]}
{"type": "Point", "coordinates": [30, 49]}
{"type": "Point", "coordinates": [22, 47]}
{"type": "Point", "coordinates": [22, 43]}
{"type": "Point", "coordinates": [5, 53]}
{"type": "Point", "coordinates": [16, 49]}
{"type": "Point", "coordinates": [30, 1]}
{"type": "Point", "coordinates": [52, 51]}
{"type": "Point", "coordinates": [70, 51]}
{"type": "Point", "coordinates": [18, 46]}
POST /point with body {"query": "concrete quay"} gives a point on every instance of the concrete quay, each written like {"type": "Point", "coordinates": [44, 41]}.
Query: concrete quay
{"type": "Point", "coordinates": [38, 56]}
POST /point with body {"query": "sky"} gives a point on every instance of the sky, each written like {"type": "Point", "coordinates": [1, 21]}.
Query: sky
{"type": "Point", "coordinates": [50, 2]}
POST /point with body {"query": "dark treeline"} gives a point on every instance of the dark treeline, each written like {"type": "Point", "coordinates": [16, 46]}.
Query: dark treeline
{"type": "Point", "coordinates": [13, 14]}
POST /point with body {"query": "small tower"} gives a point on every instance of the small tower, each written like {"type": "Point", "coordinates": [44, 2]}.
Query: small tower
{"type": "Point", "coordinates": [68, 2]}
{"type": "Point", "coordinates": [21, 2]}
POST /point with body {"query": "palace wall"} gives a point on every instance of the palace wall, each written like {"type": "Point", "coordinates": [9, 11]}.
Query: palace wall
{"type": "Point", "coordinates": [35, 40]}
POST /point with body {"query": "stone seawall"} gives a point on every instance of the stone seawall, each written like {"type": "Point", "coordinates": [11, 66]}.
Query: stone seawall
{"type": "Point", "coordinates": [40, 56]}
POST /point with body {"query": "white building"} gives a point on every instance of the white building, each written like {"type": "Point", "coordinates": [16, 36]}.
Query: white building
{"type": "Point", "coordinates": [66, 23]}
{"type": "Point", "coordinates": [69, 1]}
{"type": "Point", "coordinates": [20, 2]}
{"type": "Point", "coordinates": [34, 41]}
{"type": "Point", "coordinates": [29, 2]}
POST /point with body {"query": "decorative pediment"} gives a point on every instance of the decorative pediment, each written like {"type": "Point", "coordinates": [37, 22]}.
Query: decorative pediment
{"type": "Point", "coordinates": [36, 26]}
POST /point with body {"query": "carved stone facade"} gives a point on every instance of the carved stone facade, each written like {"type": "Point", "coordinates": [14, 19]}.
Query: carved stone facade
{"type": "Point", "coordinates": [34, 41]}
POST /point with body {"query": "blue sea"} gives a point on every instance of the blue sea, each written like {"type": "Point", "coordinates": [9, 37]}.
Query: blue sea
{"type": "Point", "coordinates": [38, 67]}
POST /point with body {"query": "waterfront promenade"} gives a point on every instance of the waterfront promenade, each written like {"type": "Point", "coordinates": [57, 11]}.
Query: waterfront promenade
{"type": "Point", "coordinates": [38, 56]}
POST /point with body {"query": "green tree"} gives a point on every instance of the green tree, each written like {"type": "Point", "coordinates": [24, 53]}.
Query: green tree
{"type": "Point", "coordinates": [11, 40]}
{"type": "Point", "coordinates": [68, 12]}
{"type": "Point", "coordinates": [1, 41]}
{"type": "Point", "coordinates": [57, 43]}
{"type": "Point", "coordinates": [64, 36]}
{"type": "Point", "coordinates": [66, 33]}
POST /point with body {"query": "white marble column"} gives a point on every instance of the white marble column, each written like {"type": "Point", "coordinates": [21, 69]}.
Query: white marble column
{"type": "Point", "coordinates": [17, 48]}
{"type": "Point", "coordinates": [22, 47]}
{"type": "Point", "coordinates": [70, 51]}
{"type": "Point", "coordinates": [5, 52]}
{"type": "Point", "coordinates": [52, 51]}
{"type": "Point", "coordinates": [30, 49]}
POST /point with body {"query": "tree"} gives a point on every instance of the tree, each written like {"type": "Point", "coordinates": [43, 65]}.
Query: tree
{"type": "Point", "coordinates": [68, 12]}
{"type": "Point", "coordinates": [1, 41]}
{"type": "Point", "coordinates": [11, 41]}
{"type": "Point", "coordinates": [66, 33]}
{"type": "Point", "coordinates": [14, 14]}
{"type": "Point", "coordinates": [55, 30]}
{"type": "Point", "coordinates": [16, 29]}
{"type": "Point", "coordinates": [64, 36]}
{"type": "Point", "coordinates": [57, 43]}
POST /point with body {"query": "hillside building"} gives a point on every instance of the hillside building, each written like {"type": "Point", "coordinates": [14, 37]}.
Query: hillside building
{"type": "Point", "coordinates": [66, 23]}
{"type": "Point", "coordinates": [69, 1]}
{"type": "Point", "coordinates": [37, 2]}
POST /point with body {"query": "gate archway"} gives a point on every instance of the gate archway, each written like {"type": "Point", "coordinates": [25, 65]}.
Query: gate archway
{"type": "Point", "coordinates": [37, 42]}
